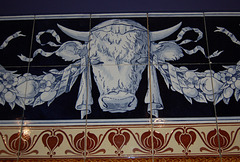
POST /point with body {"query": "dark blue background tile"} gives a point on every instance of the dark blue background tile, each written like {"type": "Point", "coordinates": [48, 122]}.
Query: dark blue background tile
{"type": "Point", "coordinates": [17, 46]}
{"type": "Point", "coordinates": [160, 23]}
{"type": "Point", "coordinates": [176, 105]}
{"type": "Point", "coordinates": [9, 93]}
{"type": "Point", "coordinates": [220, 41]}
{"type": "Point", "coordinates": [228, 105]}
{"type": "Point", "coordinates": [63, 107]}
{"type": "Point", "coordinates": [42, 25]}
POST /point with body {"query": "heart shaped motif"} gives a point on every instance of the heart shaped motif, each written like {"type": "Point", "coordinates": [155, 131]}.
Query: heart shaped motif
{"type": "Point", "coordinates": [185, 140]}
{"type": "Point", "coordinates": [119, 140]}
{"type": "Point", "coordinates": [52, 142]}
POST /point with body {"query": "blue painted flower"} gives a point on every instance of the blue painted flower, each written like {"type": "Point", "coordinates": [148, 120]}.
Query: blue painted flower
{"type": "Point", "coordinates": [229, 77]}
{"type": "Point", "coordinates": [7, 84]}
{"type": "Point", "coordinates": [9, 80]}
{"type": "Point", "coordinates": [46, 83]}
{"type": "Point", "coordinates": [45, 86]}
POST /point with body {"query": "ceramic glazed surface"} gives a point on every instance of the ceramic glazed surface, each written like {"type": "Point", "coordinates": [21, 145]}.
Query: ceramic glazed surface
{"type": "Point", "coordinates": [120, 86]}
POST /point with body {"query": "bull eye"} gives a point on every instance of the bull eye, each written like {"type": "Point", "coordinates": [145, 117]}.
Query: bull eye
{"type": "Point", "coordinates": [96, 62]}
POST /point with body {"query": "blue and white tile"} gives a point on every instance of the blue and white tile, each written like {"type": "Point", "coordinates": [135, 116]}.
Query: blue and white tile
{"type": "Point", "coordinates": [15, 40]}
{"type": "Point", "coordinates": [56, 40]}
{"type": "Point", "coordinates": [119, 39]}
{"type": "Point", "coordinates": [223, 31]}
{"type": "Point", "coordinates": [55, 93]}
{"type": "Point", "coordinates": [118, 92]}
{"type": "Point", "coordinates": [178, 38]}
{"type": "Point", "coordinates": [12, 93]}
{"type": "Point", "coordinates": [185, 91]}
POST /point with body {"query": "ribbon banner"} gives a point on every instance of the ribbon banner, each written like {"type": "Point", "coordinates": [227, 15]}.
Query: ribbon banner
{"type": "Point", "coordinates": [228, 33]}
{"type": "Point", "coordinates": [53, 33]}
{"type": "Point", "coordinates": [186, 29]}
{"type": "Point", "coordinates": [11, 37]}
{"type": "Point", "coordinates": [197, 48]}
{"type": "Point", "coordinates": [193, 51]}
{"type": "Point", "coordinates": [40, 51]}
{"type": "Point", "coordinates": [215, 54]}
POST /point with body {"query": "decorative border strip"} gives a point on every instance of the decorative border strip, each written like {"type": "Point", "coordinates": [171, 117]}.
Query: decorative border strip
{"type": "Point", "coordinates": [120, 141]}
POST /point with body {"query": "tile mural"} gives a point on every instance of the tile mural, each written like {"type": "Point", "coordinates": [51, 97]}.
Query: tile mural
{"type": "Point", "coordinates": [120, 85]}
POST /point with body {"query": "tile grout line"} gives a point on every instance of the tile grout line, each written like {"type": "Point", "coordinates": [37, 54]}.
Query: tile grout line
{"type": "Point", "coordinates": [87, 90]}
{"type": "Point", "coordinates": [149, 84]}
{"type": "Point", "coordinates": [214, 105]}
{"type": "Point", "coordinates": [28, 69]}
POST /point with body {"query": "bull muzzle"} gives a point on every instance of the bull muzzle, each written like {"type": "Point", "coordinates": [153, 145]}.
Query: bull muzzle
{"type": "Point", "coordinates": [117, 102]}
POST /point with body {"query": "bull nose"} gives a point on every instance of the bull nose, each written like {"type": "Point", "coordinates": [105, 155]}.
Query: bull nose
{"type": "Point", "coordinates": [122, 102]}
{"type": "Point", "coordinates": [118, 102]}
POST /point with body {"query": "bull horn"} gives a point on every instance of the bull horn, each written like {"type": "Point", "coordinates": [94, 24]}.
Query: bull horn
{"type": "Point", "coordinates": [82, 36]}
{"type": "Point", "coordinates": [158, 35]}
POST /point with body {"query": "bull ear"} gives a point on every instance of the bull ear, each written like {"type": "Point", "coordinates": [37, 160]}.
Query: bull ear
{"type": "Point", "coordinates": [82, 36]}
{"type": "Point", "coordinates": [158, 35]}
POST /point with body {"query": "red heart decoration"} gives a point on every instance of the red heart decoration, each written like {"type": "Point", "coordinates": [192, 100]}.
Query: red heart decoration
{"type": "Point", "coordinates": [186, 140]}
{"type": "Point", "coordinates": [52, 142]}
{"type": "Point", "coordinates": [119, 140]}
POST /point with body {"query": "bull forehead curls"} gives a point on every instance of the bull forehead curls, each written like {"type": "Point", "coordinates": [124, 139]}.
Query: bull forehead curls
{"type": "Point", "coordinates": [120, 26]}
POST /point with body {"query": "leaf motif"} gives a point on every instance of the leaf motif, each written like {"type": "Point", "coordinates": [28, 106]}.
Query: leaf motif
{"type": "Point", "coordinates": [39, 77]}
{"type": "Point", "coordinates": [12, 105]}
{"type": "Point", "coordinates": [38, 101]}
{"type": "Point", "coordinates": [200, 75]}
{"type": "Point", "coordinates": [226, 100]}
{"type": "Point", "coordinates": [49, 102]}
{"type": "Point", "coordinates": [188, 98]}
{"type": "Point", "coordinates": [29, 101]}
{"type": "Point", "coordinates": [2, 101]}
{"type": "Point", "coordinates": [19, 102]}
{"type": "Point", "coordinates": [13, 89]}
{"type": "Point", "coordinates": [56, 86]}
{"type": "Point", "coordinates": [237, 94]}
{"type": "Point", "coordinates": [218, 98]}
{"type": "Point", "coordinates": [181, 82]}
{"type": "Point", "coordinates": [172, 89]}
{"type": "Point", "coordinates": [229, 66]}
{"type": "Point", "coordinates": [55, 71]}
{"type": "Point", "coordinates": [224, 86]}
{"type": "Point", "coordinates": [200, 98]}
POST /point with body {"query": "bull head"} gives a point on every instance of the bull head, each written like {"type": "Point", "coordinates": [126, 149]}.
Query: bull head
{"type": "Point", "coordinates": [117, 42]}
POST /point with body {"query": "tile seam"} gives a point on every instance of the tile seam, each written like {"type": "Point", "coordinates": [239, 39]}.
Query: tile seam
{"type": "Point", "coordinates": [214, 105]}
{"type": "Point", "coordinates": [87, 81]}
{"type": "Point", "coordinates": [28, 69]}
{"type": "Point", "coordinates": [149, 84]}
